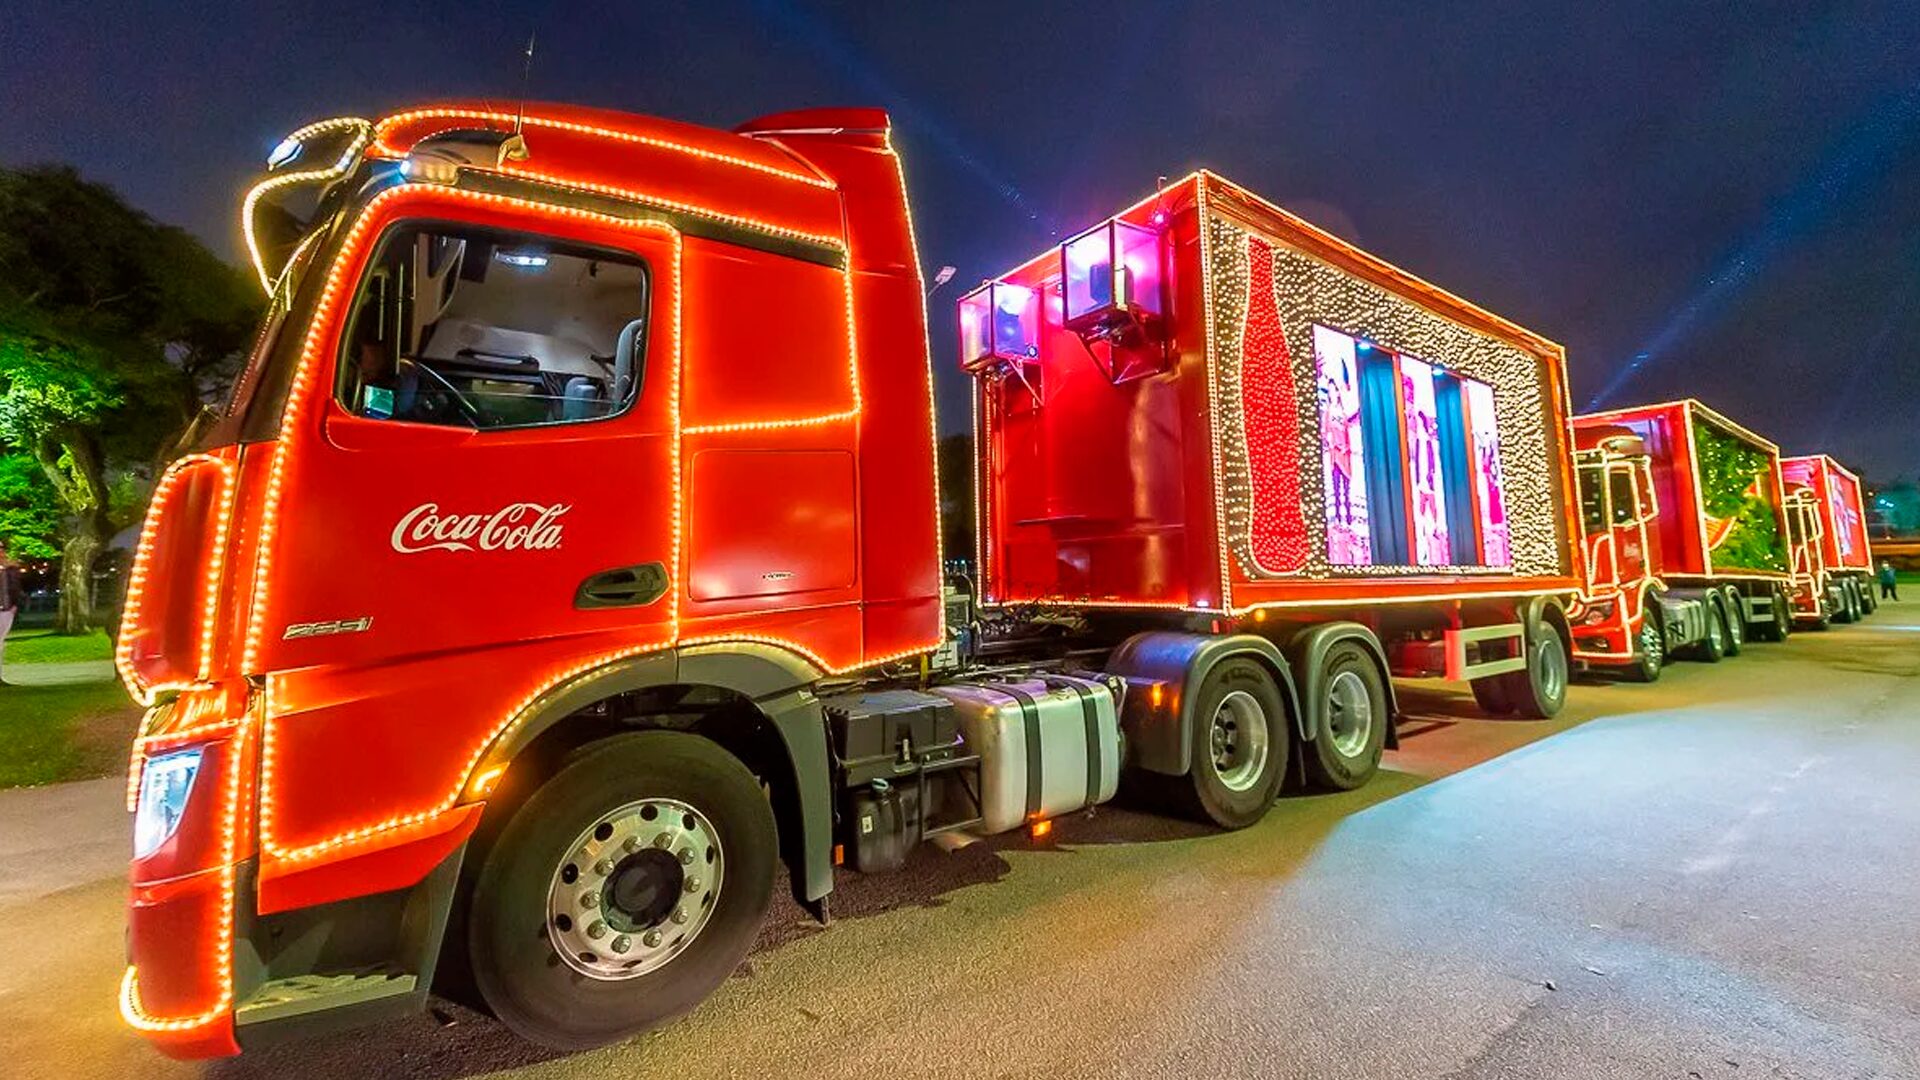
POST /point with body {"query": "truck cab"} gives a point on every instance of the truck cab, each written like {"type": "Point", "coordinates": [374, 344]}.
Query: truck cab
{"type": "Point", "coordinates": [1628, 619]}
{"type": "Point", "coordinates": [1817, 596]}
{"type": "Point", "coordinates": [1611, 624]}
{"type": "Point", "coordinates": [569, 414]}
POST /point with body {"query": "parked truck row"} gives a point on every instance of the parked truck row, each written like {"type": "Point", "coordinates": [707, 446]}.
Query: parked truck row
{"type": "Point", "coordinates": [565, 571]}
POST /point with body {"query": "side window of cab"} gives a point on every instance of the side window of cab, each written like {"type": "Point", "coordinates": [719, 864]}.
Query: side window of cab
{"type": "Point", "coordinates": [468, 327]}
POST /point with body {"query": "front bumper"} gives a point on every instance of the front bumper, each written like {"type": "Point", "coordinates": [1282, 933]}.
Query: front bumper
{"type": "Point", "coordinates": [214, 967]}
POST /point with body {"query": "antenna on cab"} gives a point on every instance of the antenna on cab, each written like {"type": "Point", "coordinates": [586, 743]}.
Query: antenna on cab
{"type": "Point", "coordinates": [514, 147]}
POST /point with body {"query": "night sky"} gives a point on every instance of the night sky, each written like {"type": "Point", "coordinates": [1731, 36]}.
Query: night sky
{"type": "Point", "coordinates": [1730, 193]}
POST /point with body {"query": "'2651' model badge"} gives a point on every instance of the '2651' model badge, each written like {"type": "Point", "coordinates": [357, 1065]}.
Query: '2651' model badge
{"type": "Point", "coordinates": [521, 526]}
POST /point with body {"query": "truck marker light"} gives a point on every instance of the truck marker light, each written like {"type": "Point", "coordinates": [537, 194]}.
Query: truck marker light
{"type": "Point", "coordinates": [386, 125]}
{"type": "Point", "coordinates": [484, 783]}
{"type": "Point", "coordinates": [363, 134]}
{"type": "Point", "coordinates": [1040, 829]}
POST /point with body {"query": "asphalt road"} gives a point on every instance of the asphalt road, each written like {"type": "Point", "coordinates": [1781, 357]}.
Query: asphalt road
{"type": "Point", "coordinates": [1717, 876]}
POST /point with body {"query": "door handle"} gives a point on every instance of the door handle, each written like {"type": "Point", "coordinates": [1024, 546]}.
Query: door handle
{"type": "Point", "coordinates": [625, 586]}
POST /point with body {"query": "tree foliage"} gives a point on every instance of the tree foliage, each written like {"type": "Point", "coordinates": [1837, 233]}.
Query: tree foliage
{"type": "Point", "coordinates": [114, 331]}
{"type": "Point", "coordinates": [1736, 484]}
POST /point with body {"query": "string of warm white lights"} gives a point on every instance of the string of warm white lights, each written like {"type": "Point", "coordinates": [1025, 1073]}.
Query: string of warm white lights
{"type": "Point", "coordinates": [1310, 291]}
{"type": "Point", "coordinates": [362, 135]}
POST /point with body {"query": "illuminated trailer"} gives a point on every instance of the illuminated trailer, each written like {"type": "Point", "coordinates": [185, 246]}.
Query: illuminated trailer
{"type": "Point", "coordinates": [1207, 413]}
{"type": "Point", "coordinates": [1716, 517]}
{"type": "Point", "coordinates": [1833, 566]}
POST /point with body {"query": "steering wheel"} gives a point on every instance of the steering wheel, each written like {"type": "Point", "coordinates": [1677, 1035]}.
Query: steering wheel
{"type": "Point", "coordinates": [462, 404]}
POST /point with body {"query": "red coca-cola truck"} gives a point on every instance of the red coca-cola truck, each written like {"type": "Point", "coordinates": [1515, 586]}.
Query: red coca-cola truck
{"type": "Point", "coordinates": [568, 557]}
{"type": "Point", "coordinates": [1687, 547]}
{"type": "Point", "coordinates": [1832, 560]}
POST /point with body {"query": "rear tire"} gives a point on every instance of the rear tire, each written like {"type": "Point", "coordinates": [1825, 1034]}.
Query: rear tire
{"type": "Point", "coordinates": [1714, 646]}
{"type": "Point", "coordinates": [1490, 694]}
{"type": "Point", "coordinates": [1782, 616]}
{"type": "Point", "coordinates": [1539, 691]}
{"type": "Point", "coordinates": [1869, 600]}
{"type": "Point", "coordinates": [1239, 742]}
{"type": "Point", "coordinates": [1345, 751]}
{"type": "Point", "coordinates": [514, 939]}
{"type": "Point", "coordinates": [1650, 649]}
{"type": "Point", "coordinates": [1736, 612]}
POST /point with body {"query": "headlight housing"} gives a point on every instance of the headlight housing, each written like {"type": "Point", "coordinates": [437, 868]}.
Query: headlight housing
{"type": "Point", "coordinates": [165, 784]}
{"type": "Point", "coordinates": [1598, 611]}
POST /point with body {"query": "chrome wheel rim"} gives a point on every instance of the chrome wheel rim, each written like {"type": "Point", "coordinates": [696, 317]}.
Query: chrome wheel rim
{"type": "Point", "coordinates": [634, 889]}
{"type": "Point", "coordinates": [1653, 644]}
{"type": "Point", "coordinates": [1736, 626]}
{"type": "Point", "coordinates": [1716, 630]}
{"type": "Point", "coordinates": [1239, 741]}
{"type": "Point", "coordinates": [1552, 665]}
{"type": "Point", "coordinates": [1349, 713]}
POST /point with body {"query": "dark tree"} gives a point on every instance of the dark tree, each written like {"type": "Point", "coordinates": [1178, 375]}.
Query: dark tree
{"type": "Point", "coordinates": [115, 331]}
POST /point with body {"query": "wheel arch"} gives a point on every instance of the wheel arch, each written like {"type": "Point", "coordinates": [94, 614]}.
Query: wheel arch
{"type": "Point", "coordinates": [1550, 609]}
{"type": "Point", "coordinates": [762, 711]}
{"type": "Point", "coordinates": [1307, 647]}
{"type": "Point", "coordinates": [1158, 726]}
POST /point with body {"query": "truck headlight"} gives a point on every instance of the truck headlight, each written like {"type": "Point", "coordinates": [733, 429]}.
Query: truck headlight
{"type": "Point", "coordinates": [164, 786]}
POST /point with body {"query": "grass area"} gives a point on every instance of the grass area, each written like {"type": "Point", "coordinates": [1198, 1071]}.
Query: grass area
{"type": "Point", "coordinates": [53, 733]}
{"type": "Point", "coordinates": [47, 647]}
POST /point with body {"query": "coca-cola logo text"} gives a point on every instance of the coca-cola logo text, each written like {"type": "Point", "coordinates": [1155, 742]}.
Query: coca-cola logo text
{"type": "Point", "coordinates": [521, 526]}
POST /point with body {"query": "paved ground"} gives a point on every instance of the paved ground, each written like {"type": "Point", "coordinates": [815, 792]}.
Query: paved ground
{"type": "Point", "coordinates": [1714, 877]}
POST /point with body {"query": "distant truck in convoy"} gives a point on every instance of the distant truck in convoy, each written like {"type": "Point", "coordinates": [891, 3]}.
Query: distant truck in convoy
{"type": "Point", "coordinates": [1686, 539]}
{"type": "Point", "coordinates": [1832, 560]}
{"type": "Point", "coordinates": [568, 556]}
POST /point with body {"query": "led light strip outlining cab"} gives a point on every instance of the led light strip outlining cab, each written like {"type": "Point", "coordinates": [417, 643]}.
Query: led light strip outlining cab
{"type": "Point", "coordinates": [363, 135]}
{"type": "Point", "coordinates": [138, 573]}
{"type": "Point", "coordinates": [304, 374]}
{"type": "Point", "coordinates": [311, 357]}
{"type": "Point", "coordinates": [387, 124]}
{"type": "Point", "coordinates": [130, 1007]}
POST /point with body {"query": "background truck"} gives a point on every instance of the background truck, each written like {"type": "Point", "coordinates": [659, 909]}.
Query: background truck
{"type": "Point", "coordinates": [1833, 562]}
{"type": "Point", "coordinates": [567, 557]}
{"type": "Point", "coordinates": [1629, 620]}
{"type": "Point", "coordinates": [1717, 529]}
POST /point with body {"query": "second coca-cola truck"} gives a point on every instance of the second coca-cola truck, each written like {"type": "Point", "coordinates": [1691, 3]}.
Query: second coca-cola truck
{"type": "Point", "coordinates": [1832, 563]}
{"type": "Point", "coordinates": [567, 557]}
{"type": "Point", "coordinates": [1686, 529]}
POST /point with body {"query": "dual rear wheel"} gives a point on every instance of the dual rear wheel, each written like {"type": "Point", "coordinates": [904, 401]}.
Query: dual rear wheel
{"type": "Point", "coordinates": [1243, 735]}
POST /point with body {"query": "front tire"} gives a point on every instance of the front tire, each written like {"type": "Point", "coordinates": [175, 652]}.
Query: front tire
{"type": "Point", "coordinates": [1539, 691]}
{"type": "Point", "coordinates": [670, 844]}
{"type": "Point", "coordinates": [1650, 647]}
{"type": "Point", "coordinates": [1345, 751]}
{"type": "Point", "coordinates": [1239, 744]}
